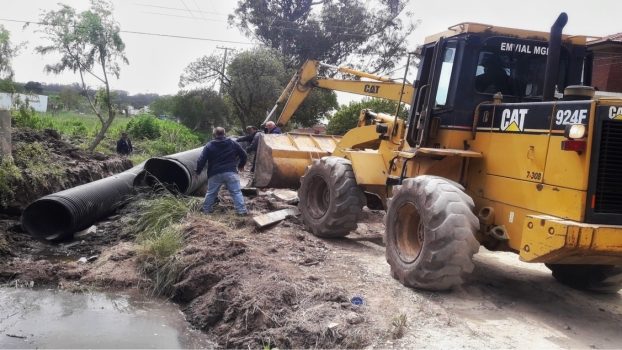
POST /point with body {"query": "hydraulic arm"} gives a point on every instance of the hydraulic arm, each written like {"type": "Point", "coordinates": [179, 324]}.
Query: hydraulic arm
{"type": "Point", "coordinates": [307, 78]}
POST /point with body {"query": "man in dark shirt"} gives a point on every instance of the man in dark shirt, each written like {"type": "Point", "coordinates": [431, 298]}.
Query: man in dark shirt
{"type": "Point", "coordinates": [224, 157]}
{"type": "Point", "coordinates": [250, 133]}
{"type": "Point", "coordinates": [124, 145]}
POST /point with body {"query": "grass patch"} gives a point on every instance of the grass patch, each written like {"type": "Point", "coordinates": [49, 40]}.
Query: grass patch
{"type": "Point", "coordinates": [160, 237]}
{"type": "Point", "coordinates": [9, 176]}
{"type": "Point", "coordinates": [150, 136]}
{"type": "Point", "coordinates": [398, 326]}
{"type": "Point", "coordinates": [158, 213]}
{"type": "Point", "coordinates": [35, 160]}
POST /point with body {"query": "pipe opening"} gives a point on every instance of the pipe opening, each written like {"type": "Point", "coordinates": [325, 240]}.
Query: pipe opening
{"type": "Point", "coordinates": [47, 217]}
{"type": "Point", "coordinates": [169, 173]}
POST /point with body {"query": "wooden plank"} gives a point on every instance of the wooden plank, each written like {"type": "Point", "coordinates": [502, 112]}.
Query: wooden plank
{"type": "Point", "coordinates": [270, 218]}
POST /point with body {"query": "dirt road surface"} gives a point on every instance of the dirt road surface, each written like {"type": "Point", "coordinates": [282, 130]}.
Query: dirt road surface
{"type": "Point", "coordinates": [504, 304]}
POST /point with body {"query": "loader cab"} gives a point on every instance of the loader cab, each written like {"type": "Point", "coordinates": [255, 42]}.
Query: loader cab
{"type": "Point", "coordinates": [458, 72]}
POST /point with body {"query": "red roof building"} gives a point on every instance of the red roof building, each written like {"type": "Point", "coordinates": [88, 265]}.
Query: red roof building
{"type": "Point", "coordinates": [607, 63]}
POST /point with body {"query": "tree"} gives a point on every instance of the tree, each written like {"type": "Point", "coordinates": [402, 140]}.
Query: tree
{"type": "Point", "coordinates": [69, 98]}
{"type": "Point", "coordinates": [252, 83]}
{"type": "Point", "coordinates": [200, 109]}
{"type": "Point", "coordinates": [7, 52]}
{"type": "Point", "coordinates": [371, 35]}
{"type": "Point", "coordinates": [33, 87]}
{"type": "Point", "coordinates": [89, 43]}
{"type": "Point", "coordinates": [315, 107]}
{"type": "Point", "coordinates": [347, 117]}
{"type": "Point", "coordinates": [163, 105]}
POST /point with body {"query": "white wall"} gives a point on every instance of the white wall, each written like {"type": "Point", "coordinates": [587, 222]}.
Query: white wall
{"type": "Point", "coordinates": [38, 102]}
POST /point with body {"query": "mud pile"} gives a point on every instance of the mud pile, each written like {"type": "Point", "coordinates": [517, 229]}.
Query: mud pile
{"type": "Point", "coordinates": [256, 289]}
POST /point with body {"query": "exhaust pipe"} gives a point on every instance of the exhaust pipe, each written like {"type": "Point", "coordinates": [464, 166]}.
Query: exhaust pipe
{"type": "Point", "coordinates": [58, 215]}
{"type": "Point", "coordinates": [176, 172]}
{"type": "Point", "coordinates": [552, 60]}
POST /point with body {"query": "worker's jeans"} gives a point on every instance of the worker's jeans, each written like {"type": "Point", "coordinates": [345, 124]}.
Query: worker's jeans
{"type": "Point", "coordinates": [232, 182]}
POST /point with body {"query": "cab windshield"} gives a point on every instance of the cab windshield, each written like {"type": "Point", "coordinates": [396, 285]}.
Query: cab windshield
{"type": "Point", "coordinates": [515, 67]}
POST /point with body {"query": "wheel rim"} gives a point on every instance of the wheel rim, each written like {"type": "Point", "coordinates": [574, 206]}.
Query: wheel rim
{"type": "Point", "coordinates": [409, 233]}
{"type": "Point", "coordinates": [318, 197]}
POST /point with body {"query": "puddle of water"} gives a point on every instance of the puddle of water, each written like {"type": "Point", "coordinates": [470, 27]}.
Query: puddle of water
{"type": "Point", "coordinates": [58, 319]}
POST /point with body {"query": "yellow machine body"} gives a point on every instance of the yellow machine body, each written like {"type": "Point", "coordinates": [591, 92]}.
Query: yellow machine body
{"type": "Point", "coordinates": [532, 195]}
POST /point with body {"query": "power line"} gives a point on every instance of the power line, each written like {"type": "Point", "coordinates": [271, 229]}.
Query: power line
{"type": "Point", "coordinates": [188, 37]}
{"type": "Point", "coordinates": [180, 16]}
{"type": "Point", "coordinates": [147, 33]}
{"type": "Point", "coordinates": [187, 8]}
{"type": "Point", "coordinates": [178, 9]}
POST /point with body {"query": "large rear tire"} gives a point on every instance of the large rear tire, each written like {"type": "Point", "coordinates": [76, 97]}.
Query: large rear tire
{"type": "Point", "coordinates": [331, 202]}
{"type": "Point", "coordinates": [595, 278]}
{"type": "Point", "coordinates": [430, 233]}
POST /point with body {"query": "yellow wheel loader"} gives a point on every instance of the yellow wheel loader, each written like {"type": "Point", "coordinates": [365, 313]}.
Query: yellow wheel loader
{"type": "Point", "coordinates": [505, 146]}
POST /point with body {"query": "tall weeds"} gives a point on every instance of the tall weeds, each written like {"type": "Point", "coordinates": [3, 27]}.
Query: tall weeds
{"type": "Point", "coordinates": [159, 233]}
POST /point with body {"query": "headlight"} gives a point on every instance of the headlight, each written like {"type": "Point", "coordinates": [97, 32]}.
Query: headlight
{"type": "Point", "coordinates": [575, 131]}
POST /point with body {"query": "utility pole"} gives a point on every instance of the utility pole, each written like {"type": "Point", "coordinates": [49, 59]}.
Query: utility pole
{"type": "Point", "coordinates": [222, 70]}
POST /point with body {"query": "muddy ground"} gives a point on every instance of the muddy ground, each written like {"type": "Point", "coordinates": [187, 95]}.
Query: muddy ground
{"type": "Point", "coordinates": [283, 287]}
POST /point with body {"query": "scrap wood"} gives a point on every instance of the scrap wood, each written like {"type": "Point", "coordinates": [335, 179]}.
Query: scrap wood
{"type": "Point", "coordinates": [270, 218]}
{"type": "Point", "coordinates": [287, 196]}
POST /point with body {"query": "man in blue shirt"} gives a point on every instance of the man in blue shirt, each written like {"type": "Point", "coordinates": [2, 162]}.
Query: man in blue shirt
{"type": "Point", "coordinates": [224, 158]}
{"type": "Point", "coordinates": [271, 128]}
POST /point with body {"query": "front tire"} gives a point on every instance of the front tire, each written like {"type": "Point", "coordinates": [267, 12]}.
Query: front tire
{"type": "Point", "coordinates": [430, 233]}
{"type": "Point", "coordinates": [594, 278]}
{"type": "Point", "coordinates": [331, 202]}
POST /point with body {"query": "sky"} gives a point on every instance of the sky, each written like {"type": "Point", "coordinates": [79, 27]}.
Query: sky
{"type": "Point", "coordinates": [156, 62]}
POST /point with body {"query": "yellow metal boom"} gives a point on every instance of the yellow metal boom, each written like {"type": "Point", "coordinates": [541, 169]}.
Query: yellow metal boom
{"type": "Point", "coordinates": [307, 78]}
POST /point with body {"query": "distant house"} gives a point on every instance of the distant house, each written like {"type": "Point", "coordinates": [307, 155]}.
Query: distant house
{"type": "Point", "coordinates": [38, 102]}
{"type": "Point", "coordinates": [132, 111]}
{"type": "Point", "coordinates": [607, 63]}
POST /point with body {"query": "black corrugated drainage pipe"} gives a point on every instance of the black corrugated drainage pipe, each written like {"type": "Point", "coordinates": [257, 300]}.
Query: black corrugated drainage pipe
{"type": "Point", "coordinates": [176, 172]}
{"type": "Point", "coordinates": [60, 214]}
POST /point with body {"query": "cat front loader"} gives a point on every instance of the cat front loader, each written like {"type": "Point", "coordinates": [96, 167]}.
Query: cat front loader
{"type": "Point", "coordinates": [505, 146]}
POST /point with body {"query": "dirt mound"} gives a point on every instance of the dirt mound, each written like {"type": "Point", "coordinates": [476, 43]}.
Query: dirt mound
{"type": "Point", "coordinates": [47, 164]}
{"type": "Point", "coordinates": [253, 289]}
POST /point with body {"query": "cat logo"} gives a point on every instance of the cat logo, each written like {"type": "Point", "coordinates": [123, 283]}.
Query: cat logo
{"type": "Point", "coordinates": [372, 89]}
{"type": "Point", "coordinates": [513, 119]}
{"type": "Point", "coordinates": [615, 113]}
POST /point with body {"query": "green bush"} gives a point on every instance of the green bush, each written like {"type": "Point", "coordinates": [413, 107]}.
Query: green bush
{"type": "Point", "coordinates": [144, 127]}
{"type": "Point", "coordinates": [9, 175]}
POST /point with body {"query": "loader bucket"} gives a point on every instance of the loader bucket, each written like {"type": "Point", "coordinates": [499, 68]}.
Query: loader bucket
{"type": "Point", "coordinates": [282, 159]}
